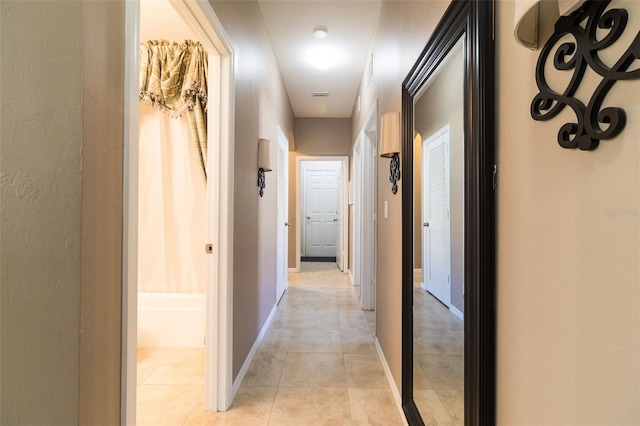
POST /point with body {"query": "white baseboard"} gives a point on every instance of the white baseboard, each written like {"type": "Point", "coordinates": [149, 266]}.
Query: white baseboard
{"type": "Point", "coordinates": [351, 276]}
{"type": "Point", "coordinates": [392, 383]}
{"type": "Point", "coordinates": [252, 353]}
{"type": "Point", "coordinates": [293, 269]}
{"type": "Point", "coordinates": [423, 286]}
{"type": "Point", "coordinates": [455, 311]}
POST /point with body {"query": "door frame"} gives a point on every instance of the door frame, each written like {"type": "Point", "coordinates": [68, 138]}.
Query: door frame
{"type": "Point", "coordinates": [356, 268]}
{"type": "Point", "coordinates": [283, 142]}
{"type": "Point", "coordinates": [367, 169]}
{"type": "Point", "coordinates": [202, 20]}
{"type": "Point", "coordinates": [345, 201]}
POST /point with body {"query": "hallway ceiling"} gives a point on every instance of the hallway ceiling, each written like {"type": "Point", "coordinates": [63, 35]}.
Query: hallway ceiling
{"type": "Point", "coordinates": [350, 25]}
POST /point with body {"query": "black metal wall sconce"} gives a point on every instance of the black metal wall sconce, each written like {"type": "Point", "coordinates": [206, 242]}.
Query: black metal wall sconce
{"type": "Point", "coordinates": [588, 28]}
{"type": "Point", "coordinates": [390, 145]}
{"type": "Point", "coordinates": [264, 162]}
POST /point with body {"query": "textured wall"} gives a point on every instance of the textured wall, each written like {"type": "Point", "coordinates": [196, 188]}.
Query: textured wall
{"type": "Point", "coordinates": [261, 105]}
{"type": "Point", "coordinates": [568, 250]}
{"type": "Point", "coordinates": [102, 157]}
{"type": "Point", "coordinates": [40, 220]}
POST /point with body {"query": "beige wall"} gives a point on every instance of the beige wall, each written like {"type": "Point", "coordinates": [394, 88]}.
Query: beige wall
{"type": "Point", "coordinates": [40, 226]}
{"type": "Point", "coordinates": [61, 147]}
{"type": "Point", "coordinates": [261, 104]}
{"type": "Point", "coordinates": [568, 271]}
{"type": "Point", "coordinates": [102, 148]}
{"type": "Point", "coordinates": [402, 33]}
{"type": "Point", "coordinates": [443, 104]}
{"type": "Point", "coordinates": [314, 136]}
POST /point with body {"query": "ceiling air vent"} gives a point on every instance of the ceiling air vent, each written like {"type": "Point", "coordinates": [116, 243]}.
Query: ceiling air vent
{"type": "Point", "coordinates": [319, 94]}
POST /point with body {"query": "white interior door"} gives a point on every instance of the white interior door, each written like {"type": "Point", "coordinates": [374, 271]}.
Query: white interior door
{"type": "Point", "coordinates": [321, 212]}
{"type": "Point", "coordinates": [436, 232]}
{"type": "Point", "coordinates": [282, 213]}
{"type": "Point", "coordinates": [368, 220]}
{"type": "Point", "coordinates": [340, 255]}
{"type": "Point", "coordinates": [357, 208]}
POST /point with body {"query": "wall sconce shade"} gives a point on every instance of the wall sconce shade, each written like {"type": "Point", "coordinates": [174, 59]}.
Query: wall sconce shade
{"type": "Point", "coordinates": [264, 162]}
{"type": "Point", "coordinates": [264, 154]}
{"type": "Point", "coordinates": [528, 13]}
{"type": "Point", "coordinates": [390, 134]}
{"type": "Point", "coordinates": [390, 145]}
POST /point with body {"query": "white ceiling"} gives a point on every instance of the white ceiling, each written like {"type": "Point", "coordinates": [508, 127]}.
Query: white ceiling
{"type": "Point", "coordinates": [350, 25]}
{"type": "Point", "coordinates": [290, 24]}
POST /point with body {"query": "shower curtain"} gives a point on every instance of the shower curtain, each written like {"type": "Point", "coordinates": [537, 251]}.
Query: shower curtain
{"type": "Point", "coordinates": [172, 159]}
{"type": "Point", "coordinates": [172, 207]}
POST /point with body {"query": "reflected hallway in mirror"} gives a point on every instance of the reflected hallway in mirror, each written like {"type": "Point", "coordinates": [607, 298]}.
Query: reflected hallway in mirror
{"type": "Point", "coordinates": [438, 298]}
{"type": "Point", "coordinates": [448, 223]}
{"type": "Point", "coordinates": [438, 353]}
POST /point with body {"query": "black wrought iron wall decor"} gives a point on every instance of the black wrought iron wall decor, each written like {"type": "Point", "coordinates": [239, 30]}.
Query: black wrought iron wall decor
{"type": "Point", "coordinates": [575, 56]}
{"type": "Point", "coordinates": [261, 181]}
{"type": "Point", "coordinates": [394, 172]}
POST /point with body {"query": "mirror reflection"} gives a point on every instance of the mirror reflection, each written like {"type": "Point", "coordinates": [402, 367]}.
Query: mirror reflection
{"type": "Point", "coordinates": [438, 293]}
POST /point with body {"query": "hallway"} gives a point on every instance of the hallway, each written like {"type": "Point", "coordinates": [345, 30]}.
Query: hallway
{"type": "Point", "coordinates": [317, 364]}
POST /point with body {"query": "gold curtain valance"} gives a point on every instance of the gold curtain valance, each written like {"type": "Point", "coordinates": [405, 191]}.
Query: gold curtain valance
{"type": "Point", "coordinates": [173, 77]}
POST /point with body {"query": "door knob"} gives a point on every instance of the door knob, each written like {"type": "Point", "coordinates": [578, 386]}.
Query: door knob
{"type": "Point", "coordinates": [308, 217]}
{"type": "Point", "coordinates": [335, 220]}
{"type": "Point", "coordinates": [287, 224]}
{"type": "Point", "coordinates": [426, 224]}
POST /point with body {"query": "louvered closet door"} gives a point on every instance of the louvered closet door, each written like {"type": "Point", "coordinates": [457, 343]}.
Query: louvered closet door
{"type": "Point", "coordinates": [436, 238]}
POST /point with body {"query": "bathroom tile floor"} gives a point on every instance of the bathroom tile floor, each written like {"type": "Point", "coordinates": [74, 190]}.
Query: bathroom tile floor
{"type": "Point", "coordinates": [317, 364]}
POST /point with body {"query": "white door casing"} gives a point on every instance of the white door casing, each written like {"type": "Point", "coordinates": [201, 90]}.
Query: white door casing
{"type": "Point", "coordinates": [340, 192]}
{"type": "Point", "coordinates": [299, 220]}
{"type": "Point", "coordinates": [365, 211]}
{"type": "Point", "coordinates": [436, 231]}
{"type": "Point", "coordinates": [320, 210]}
{"type": "Point", "coordinates": [282, 225]}
{"type": "Point", "coordinates": [200, 17]}
{"type": "Point", "coordinates": [357, 207]}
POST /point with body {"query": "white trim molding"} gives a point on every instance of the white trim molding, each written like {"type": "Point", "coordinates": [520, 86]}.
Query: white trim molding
{"type": "Point", "coordinates": [392, 383]}
{"type": "Point", "coordinates": [247, 362]}
{"type": "Point", "coordinates": [455, 311]}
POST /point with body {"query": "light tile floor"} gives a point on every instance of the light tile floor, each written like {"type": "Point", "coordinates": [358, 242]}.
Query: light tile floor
{"type": "Point", "coordinates": [438, 361]}
{"type": "Point", "coordinates": [317, 364]}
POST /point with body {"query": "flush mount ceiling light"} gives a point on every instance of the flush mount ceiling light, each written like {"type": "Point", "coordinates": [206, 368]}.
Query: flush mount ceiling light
{"type": "Point", "coordinates": [320, 32]}
{"type": "Point", "coordinates": [325, 57]}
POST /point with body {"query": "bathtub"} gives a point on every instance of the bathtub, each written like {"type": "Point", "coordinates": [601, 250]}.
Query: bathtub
{"type": "Point", "coordinates": [171, 319]}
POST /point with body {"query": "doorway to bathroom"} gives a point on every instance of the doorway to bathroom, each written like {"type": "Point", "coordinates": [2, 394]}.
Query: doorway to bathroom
{"type": "Point", "coordinates": [178, 178]}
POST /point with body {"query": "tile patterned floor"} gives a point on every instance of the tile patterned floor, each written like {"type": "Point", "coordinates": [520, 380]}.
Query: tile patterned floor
{"type": "Point", "coordinates": [316, 365]}
{"type": "Point", "coordinates": [438, 361]}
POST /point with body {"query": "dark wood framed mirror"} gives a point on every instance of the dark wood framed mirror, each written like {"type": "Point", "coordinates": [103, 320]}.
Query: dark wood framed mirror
{"type": "Point", "coordinates": [467, 25]}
